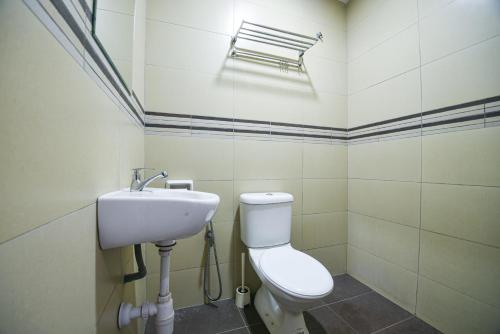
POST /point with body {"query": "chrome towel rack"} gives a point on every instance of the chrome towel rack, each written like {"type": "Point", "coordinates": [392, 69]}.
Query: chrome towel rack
{"type": "Point", "coordinates": [276, 38]}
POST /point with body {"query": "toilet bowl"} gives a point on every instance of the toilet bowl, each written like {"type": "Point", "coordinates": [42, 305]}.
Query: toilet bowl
{"type": "Point", "coordinates": [292, 281]}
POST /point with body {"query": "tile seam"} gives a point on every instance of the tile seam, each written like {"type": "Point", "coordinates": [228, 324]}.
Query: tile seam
{"type": "Point", "coordinates": [47, 223]}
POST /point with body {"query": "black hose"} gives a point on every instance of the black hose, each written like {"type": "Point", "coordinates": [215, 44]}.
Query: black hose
{"type": "Point", "coordinates": [140, 265]}
{"type": "Point", "coordinates": [210, 237]}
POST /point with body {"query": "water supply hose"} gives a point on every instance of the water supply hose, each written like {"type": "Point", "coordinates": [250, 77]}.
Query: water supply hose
{"type": "Point", "coordinates": [140, 266]}
{"type": "Point", "coordinates": [210, 238]}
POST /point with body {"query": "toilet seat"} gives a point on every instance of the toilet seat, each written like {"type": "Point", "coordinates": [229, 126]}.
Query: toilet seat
{"type": "Point", "coordinates": [295, 273]}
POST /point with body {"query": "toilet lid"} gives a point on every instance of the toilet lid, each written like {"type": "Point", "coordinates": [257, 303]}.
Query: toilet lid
{"type": "Point", "coordinates": [296, 272]}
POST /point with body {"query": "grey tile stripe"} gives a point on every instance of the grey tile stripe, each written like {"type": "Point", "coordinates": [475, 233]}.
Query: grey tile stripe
{"type": "Point", "coordinates": [86, 9]}
{"type": "Point", "coordinates": [231, 127]}
{"type": "Point", "coordinates": [82, 37]}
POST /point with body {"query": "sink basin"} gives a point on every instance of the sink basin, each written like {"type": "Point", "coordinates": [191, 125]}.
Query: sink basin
{"type": "Point", "coordinates": [152, 215]}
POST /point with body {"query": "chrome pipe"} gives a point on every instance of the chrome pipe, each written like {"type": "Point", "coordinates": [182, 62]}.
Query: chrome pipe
{"type": "Point", "coordinates": [278, 36]}
{"type": "Point", "coordinates": [269, 43]}
{"type": "Point", "coordinates": [275, 61]}
{"type": "Point", "coordinates": [275, 40]}
{"type": "Point", "coordinates": [242, 51]}
{"type": "Point", "coordinates": [282, 31]}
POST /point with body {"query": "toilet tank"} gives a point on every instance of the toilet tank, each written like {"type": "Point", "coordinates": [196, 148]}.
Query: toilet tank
{"type": "Point", "coordinates": [265, 218]}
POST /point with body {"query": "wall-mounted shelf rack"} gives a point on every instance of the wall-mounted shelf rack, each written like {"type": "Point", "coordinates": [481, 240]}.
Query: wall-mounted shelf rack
{"type": "Point", "coordinates": [253, 33]}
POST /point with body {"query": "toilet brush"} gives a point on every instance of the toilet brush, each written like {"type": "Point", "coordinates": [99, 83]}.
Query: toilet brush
{"type": "Point", "coordinates": [242, 292]}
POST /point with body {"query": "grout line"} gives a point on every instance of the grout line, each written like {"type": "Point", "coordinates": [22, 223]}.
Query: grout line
{"type": "Point", "coordinates": [382, 219]}
{"type": "Point", "coordinates": [360, 20]}
{"type": "Point", "coordinates": [343, 320]}
{"type": "Point", "coordinates": [159, 20]}
{"type": "Point", "coordinates": [476, 299]}
{"type": "Point", "coordinates": [460, 50]}
{"type": "Point", "coordinates": [46, 223]}
{"type": "Point", "coordinates": [460, 238]}
{"type": "Point", "coordinates": [347, 299]}
{"type": "Point", "coordinates": [392, 325]}
{"type": "Point", "coordinates": [424, 182]}
{"type": "Point", "coordinates": [108, 300]}
{"type": "Point", "coordinates": [232, 329]}
{"type": "Point", "coordinates": [385, 260]}
{"type": "Point", "coordinates": [373, 47]}
{"type": "Point", "coordinates": [421, 155]}
{"type": "Point", "coordinates": [381, 82]}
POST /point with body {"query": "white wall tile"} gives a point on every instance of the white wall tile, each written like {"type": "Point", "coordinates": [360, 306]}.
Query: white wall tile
{"type": "Point", "coordinates": [452, 312]}
{"type": "Point", "coordinates": [186, 48]}
{"type": "Point", "coordinates": [387, 160]}
{"type": "Point", "coordinates": [185, 92]}
{"type": "Point", "coordinates": [395, 56]}
{"type": "Point", "coordinates": [394, 201]}
{"type": "Point", "coordinates": [324, 161]}
{"type": "Point", "coordinates": [392, 281]}
{"type": "Point", "coordinates": [470, 268]}
{"type": "Point", "coordinates": [326, 229]}
{"type": "Point", "coordinates": [190, 158]}
{"type": "Point", "coordinates": [332, 257]}
{"type": "Point", "coordinates": [457, 26]}
{"type": "Point", "coordinates": [193, 13]}
{"type": "Point", "coordinates": [383, 22]}
{"type": "Point", "coordinates": [360, 10]}
{"type": "Point", "coordinates": [49, 269]}
{"type": "Point", "coordinates": [393, 98]}
{"type": "Point", "coordinates": [324, 195]}
{"type": "Point", "coordinates": [395, 243]}
{"type": "Point", "coordinates": [462, 211]}
{"type": "Point", "coordinates": [324, 109]}
{"type": "Point", "coordinates": [267, 160]}
{"type": "Point", "coordinates": [464, 76]}
{"type": "Point", "coordinates": [467, 157]}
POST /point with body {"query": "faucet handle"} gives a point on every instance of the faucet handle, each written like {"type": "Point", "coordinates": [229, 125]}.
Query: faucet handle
{"type": "Point", "coordinates": [136, 175]}
{"type": "Point", "coordinates": [142, 168]}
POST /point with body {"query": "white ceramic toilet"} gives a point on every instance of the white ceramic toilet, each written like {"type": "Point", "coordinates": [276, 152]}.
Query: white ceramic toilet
{"type": "Point", "coordinates": [292, 281]}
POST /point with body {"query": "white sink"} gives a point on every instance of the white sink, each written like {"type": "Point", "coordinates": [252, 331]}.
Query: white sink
{"type": "Point", "coordinates": [152, 215]}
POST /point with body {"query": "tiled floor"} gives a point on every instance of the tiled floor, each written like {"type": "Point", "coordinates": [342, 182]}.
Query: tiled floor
{"type": "Point", "coordinates": [351, 308]}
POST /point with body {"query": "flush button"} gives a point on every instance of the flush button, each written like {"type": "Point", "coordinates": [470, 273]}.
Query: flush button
{"type": "Point", "coordinates": [269, 194]}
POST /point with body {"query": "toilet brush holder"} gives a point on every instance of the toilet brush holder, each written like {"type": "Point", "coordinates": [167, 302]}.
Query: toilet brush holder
{"type": "Point", "coordinates": [242, 292]}
{"type": "Point", "coordinates": [242, 296]}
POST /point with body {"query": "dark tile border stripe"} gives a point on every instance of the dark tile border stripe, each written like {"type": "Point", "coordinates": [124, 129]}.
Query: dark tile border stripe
{"type": "Point", "coordinates": [86, 9]}
{"type": "Point", "coordinates": [426, 113]}
{"type": "Point", "coordinates": [402, 128]}
{"type": "Point", "coordinates": [82, 37]}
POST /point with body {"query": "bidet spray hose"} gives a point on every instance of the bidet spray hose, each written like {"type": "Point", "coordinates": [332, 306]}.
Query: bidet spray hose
{"type": "Point", "coordinates": [210, 238]}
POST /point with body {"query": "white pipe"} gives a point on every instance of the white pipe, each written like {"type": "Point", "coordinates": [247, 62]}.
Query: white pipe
{"type": "Point", "coordinates": [164, 309]}
{"type": "Point", "coordinates": [164, 272]}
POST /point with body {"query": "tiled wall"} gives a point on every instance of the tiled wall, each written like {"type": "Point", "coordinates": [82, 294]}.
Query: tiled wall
{"type": "Point", "coordinates": [189, 74]}
{"type": "Point", "coordinates": [423, 204]}
{"type": "Point", "coordinates": [63, 142]}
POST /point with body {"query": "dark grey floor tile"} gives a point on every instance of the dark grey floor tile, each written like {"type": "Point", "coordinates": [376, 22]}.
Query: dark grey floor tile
{"type": "Point", "coordinates": [369, 312]}
{"type": "Point", "coordinates": [410, 326]}
{"type": "Point", "coordinates": [250, 315]}
{"type": "Point", "coordinates": [258, 329]}
{"type": "Point", "coordinates": [208, 319]}
{"type": "Point", "coordinates": [323, 320]}
{"type": "Point", "coordinates": [243, 330]}
{"type": "Point", "coordinates": [344, 287]}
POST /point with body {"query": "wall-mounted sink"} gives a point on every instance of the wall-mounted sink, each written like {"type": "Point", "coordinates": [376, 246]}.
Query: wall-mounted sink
{"type": "Point", "coordinates": [131, 217]}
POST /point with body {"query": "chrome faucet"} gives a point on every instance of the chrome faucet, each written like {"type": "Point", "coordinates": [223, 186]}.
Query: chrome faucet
{"type": "Point", "coordinates": [138, 184]}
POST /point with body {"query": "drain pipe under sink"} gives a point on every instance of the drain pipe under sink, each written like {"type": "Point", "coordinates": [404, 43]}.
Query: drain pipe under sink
{"type": "Point", "coordinates": [164, 309]}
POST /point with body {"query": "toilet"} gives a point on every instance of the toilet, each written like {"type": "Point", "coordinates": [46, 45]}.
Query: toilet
{"type": "Point", "coordinates": [292, 281]}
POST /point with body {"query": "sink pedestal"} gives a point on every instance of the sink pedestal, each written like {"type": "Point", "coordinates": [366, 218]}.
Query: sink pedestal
{"type": "Point", "coordinates": [163, 309]}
